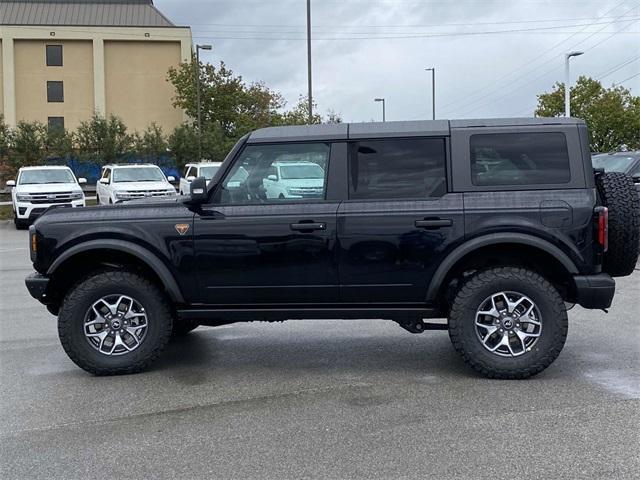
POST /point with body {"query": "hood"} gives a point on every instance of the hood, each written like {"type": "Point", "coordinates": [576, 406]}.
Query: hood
{"type": "Point", "coordinates": [141, 186]}
{"type": "Point", "coordinates": [49, 188]}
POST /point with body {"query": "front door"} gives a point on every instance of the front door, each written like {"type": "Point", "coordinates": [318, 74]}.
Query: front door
{"type": "Point", "coordinates": [256, 244]}
{"type": "Point", "coordinates": [398, 222]}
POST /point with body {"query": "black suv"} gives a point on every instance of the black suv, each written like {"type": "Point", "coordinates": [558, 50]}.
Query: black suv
{"type": "Point", "coordinates": [493, 226]}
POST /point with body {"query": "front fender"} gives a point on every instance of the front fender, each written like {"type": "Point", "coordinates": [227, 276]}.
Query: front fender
{"type": "Point", "coordinates": [143, 254]}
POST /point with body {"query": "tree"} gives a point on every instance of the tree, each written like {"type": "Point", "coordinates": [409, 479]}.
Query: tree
{"type": "Point", "coordinates": [612, 115]}
{"type": "Point", "coordinates": [230, 108]}
{"type": "Point", "coordinates": [29, 140]}
{"type": "Point", "coordinates": [5, 137]}
{"type": "Point", "coordinates": [103, 140]}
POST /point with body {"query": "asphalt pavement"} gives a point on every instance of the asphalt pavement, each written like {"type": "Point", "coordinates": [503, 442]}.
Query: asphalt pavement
{"type": "Point", "coordinates": [315, 399]}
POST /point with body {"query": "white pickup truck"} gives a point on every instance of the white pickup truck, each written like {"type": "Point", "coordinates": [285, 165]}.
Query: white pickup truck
{"type": "Point", "coordinates": [38, 188]}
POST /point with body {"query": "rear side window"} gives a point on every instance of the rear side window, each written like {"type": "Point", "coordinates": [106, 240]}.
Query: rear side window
{"type": "Point", "coordinates": [397, 169]}
{"type": "Point", "coordinates": [519, 159]}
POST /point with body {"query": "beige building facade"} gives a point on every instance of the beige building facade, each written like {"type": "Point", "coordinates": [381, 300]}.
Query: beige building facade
{"type": "Point", "coordinates": [63, 61]}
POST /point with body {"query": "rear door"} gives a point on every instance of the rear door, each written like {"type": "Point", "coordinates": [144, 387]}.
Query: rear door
{"type": "Point", "coordinates": [398, 221]}
{"type": "Point", "coordinates": [253, 247]}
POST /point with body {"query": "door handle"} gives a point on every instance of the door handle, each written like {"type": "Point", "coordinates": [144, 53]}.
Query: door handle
{"type": "Point", "coordinates": [302, 227]}
{"type": "Point", "coordinates": [433, 223]}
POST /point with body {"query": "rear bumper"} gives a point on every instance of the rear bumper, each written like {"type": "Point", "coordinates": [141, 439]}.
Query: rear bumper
{"type": "Point", "coordinates": [594, 291]}
{"type": "Point", "coordinates": [37, 285]}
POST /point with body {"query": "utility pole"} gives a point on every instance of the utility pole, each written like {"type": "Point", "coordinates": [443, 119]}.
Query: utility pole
{"type": "Point", "coordinates": [567, 82]}
{"type": "Point", "coordinates": [310, 94]}
{"type": "Point", "coordinates": [198, 82]}
{"type": "Point", "coordinates": [433, 91]}
{"type": "Point", "coordinates": [384, 115]}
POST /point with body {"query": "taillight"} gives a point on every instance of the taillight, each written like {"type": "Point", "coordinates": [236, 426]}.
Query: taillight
{"type": "Point", "coordinates": [603, 228]}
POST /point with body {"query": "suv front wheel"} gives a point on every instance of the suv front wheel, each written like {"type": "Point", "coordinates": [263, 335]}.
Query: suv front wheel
{"type": "Point", "coordinates": [508, 323]}
{"type": "Point", "coordinates": [114, 323]}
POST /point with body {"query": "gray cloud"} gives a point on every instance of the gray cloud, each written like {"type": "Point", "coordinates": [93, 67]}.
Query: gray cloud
{"type": "Point", "coordinates": [477, 75]}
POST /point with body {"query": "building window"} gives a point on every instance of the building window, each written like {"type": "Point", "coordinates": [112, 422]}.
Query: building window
{"type": "Point", "coordinates": [54, 55]}
{"type": "Point", "coordinates": [56, 123]}
{"type": "Point", "coordinates": [55, 92]}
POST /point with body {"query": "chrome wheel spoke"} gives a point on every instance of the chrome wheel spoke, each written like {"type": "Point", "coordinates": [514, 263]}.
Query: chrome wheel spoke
{"type": "Point", "coordinates": [508, 324]}
{"type": "Point", "coordinates": [115, 324]}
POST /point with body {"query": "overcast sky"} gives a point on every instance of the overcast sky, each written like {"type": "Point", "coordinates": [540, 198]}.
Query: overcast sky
{"type": "Point", "coordinates": [364, 49]}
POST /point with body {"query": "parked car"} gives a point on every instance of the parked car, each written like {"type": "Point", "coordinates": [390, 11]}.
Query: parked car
{"type": "Point", "coordinates": [625, 162]}
{"type": "Point", "coordinates": [195, 170]}
{"type": "Point", "coordinates": [38, 188]}
{"type": "Point", "coordinates": [294, 179]}
{"type": "Point", "coordinates": [120, 183]}
{"type": "Point", "coordinates": [491, 226]}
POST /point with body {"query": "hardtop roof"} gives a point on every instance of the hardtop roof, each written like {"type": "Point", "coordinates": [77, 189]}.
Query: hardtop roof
{"type": "Point", "coordinates": [413, 128]}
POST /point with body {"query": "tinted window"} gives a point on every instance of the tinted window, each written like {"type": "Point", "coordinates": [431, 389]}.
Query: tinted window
{"type": "Point", "coordinates": [35, 177]}
{"type": "Point", "coordinates": [54, 55]}
{"type": "Point", "coordinates": [55, 92]}
{"type": "Point", "coordinates": [613, 163]}
{"type": "Point", "coordinates": [56, 123]}
{"type": "Point", "coordinates": [519, 159]}
{"type": "Point", "coordinates": [208, 172]}
{"type": "Point", "coordinates": [397, 168]}
{"type": "Point", "coordinates": [253, 177]}
{"type": "Point", "coordinates": [138, 174]}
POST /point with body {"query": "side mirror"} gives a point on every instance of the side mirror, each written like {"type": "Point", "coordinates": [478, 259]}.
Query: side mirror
{"type": "Point", "coordinates": [82, 180]}
{"type": "Point", "coordinates": [190, 178]}
{"type": "Point", "coordinates": [171, 178]}
{"type": "Point", "coordinates": [199, 194]}
{"type": "Point", "coordinates": [11, 183]}
{"type": "Point", "coordinates": [104, 181]}
{"type": "Point", "coordinates": [272, 177]}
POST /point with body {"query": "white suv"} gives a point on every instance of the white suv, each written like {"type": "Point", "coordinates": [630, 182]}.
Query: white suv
{"type": "Point", "coordinates": [195, 170]}
{"type": "Point", "coordinates": [295, 179]}
{"type": "Point", "coordinates": [38, 188]}
{"type": "Point", "coordinates": [119, 183]}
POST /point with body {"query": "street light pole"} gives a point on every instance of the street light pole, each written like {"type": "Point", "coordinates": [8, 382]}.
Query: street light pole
{"type": "Point", "coordinates": [567, 82]}
{"type": "Point", "coordinates": [384, 115]}
{"type": "Point", "coordinates": [310, 93]}
{"type": "Point", "coordinates": [433, 91]}
{"type": "Point", "coordinates": [198, 81]}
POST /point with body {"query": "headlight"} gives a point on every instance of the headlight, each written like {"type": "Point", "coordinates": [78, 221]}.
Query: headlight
{"type": "Point", "coordinates": [123, 195]}
{"type": "Point", "coordinates": [23, 198]}
{"type": "Point", "coordinates": [76, 196]}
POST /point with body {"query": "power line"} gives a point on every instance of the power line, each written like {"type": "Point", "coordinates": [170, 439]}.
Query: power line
{"type": "Point", "coordinates": [627, 79]}
{"type": "Point", "coordinates": [527, 64]}
{"type": "Point", "coordinates": [500, 91]}
{"type": "Point", "coordinates": [425, 25]}
{"type": "Point", "coordinates": [617, 67]}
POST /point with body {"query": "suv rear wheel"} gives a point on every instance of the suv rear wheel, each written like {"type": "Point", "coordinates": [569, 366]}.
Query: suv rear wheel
{"type": "Point", "coordinates": [114, 323]}
{"type": "Point", "coordinates": [508, 323]}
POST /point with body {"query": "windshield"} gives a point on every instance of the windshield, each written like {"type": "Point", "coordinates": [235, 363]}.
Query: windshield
{"type": "Point", "coordinates": [208, 172]}
{"type": "Point", "coordinates": [290, 172]}
{"type": "Point", "coordinates": [35, 177]}
{"type": "Point", "coordinates": [612, 163]}
{"type": "Point", "coordinates": [138, 174]}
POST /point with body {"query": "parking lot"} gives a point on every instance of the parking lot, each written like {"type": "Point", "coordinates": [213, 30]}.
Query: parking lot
{"type": "Point", "coordinates": [315, 399]}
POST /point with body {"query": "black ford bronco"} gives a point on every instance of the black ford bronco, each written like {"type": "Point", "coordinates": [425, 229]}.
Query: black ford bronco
{"type": "Point", "coordinates": [494, 227]}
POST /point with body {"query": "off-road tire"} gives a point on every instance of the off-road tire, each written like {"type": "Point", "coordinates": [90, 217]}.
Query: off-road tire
{"type": "Point", "coordinates": [620, 196]}
{"type": "Point", "coordinates": [97, 285]}
{"type": "Point", "coordinates": [479, 287]}
{"type": "Point", "coordinates": [183, 327]}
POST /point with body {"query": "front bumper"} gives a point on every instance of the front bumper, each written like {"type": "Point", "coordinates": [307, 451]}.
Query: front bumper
{"type": "Point", "coordinates": [37, 285]}
{"type": "Point", "coordinates": [594, 291]}
{"type": "Point", "coordinates": [31, 211]}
